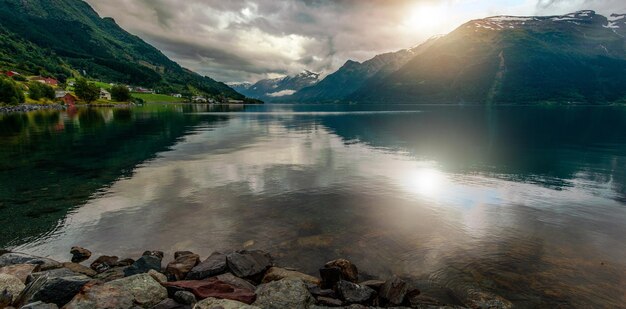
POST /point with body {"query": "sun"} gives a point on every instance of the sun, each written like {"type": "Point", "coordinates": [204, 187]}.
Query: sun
{"type": "Point", "coordinates": [426, 16]}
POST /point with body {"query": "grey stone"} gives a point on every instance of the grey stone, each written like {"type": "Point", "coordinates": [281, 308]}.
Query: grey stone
{"type": "Point", "coordinates": [354, 293]}
{"type": "Point", "coordinates": [146, 291]}
{"type": "Point", "coordinates": [12, 284]}
{"type": "Point", "coordinates": [40, 305]}
{"type": "Point", "coordinates": [214, 303]}
{"type": "Point", "coordinates": [331, 302]}
{"type": "Point", "coordinates": [214, 265]}
{"type": "Point", "coordinates": [144, 265]}
{"type": "Point", "coordinates": [394, 290]}
{"type": "Point", "coordinates": [14, 258]}
{"type": "Point", "coordinates": [98, 296]}
{"type": "Point", "coordinates": [248, 263]}
{"type": "Point", "coordinates": [170, 304]}
{"type": "Point", "coordinates": [185, 298]}
{"type": "Point", "coordinates": [236, 281]}
{"type": "Point", "coordinates": [286, 293]}
{"type": "Point", "coordinates": [57, 286]}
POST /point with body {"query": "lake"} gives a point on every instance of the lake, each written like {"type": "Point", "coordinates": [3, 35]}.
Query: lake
{"type": "Point", "coordinates": [525, 202]}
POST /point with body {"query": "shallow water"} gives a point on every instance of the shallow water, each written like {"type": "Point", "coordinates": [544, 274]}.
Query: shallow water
{"type": "Point", "coordinates": [528, 203]}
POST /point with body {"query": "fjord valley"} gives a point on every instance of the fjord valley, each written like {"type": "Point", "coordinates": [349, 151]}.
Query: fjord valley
{"type": "Point", "coordinates": [390, 166]}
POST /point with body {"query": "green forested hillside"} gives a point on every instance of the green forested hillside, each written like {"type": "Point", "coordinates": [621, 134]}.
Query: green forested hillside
{"type": "Point", "coordinates": [59, 37]}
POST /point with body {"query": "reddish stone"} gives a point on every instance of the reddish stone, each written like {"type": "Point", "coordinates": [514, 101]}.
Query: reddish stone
{"type": "Point", "coordinates": [214, 288]}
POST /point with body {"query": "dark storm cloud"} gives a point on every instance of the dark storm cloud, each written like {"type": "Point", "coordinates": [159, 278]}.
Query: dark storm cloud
{"type": "Point", "coordinates": [253, 39]}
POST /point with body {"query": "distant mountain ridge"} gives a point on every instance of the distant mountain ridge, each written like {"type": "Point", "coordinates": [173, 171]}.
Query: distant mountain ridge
{"type": "Point", "coordinates": [59, 37]}
{"type": "Point", "coordinates": [577, 58]}
{"type": "Point", "coordinates": [276, 88]}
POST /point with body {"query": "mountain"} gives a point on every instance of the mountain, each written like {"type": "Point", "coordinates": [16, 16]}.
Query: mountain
{"type": "Point", "coordinates": [578, 58]}
{"type": "Point", "coordinates": [62, 38]}
{"type": "Point", "coordinates": [277, 88]}
{"type": "Point", "coordinates": [354, 75]}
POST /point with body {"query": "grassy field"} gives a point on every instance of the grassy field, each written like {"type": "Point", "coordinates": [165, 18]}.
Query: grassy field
{"type": "Point", "coordinates": [157, 98]}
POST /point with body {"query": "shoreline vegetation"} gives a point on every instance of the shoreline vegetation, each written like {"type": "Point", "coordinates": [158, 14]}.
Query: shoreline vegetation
{"type": "Point", "coordinates": [236, 279]}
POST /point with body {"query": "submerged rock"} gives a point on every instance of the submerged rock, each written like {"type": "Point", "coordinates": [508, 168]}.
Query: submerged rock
{"type": "Point", "coordinates": [393, 291]}
{"type": "Point", "coordinates": [146, 291]}
{"type": "Point", "coordinates": [80, 254]}
{"type": "Point", "coordinates": [99, 296]}
{"type": "Point", "coordinates": [214, 265]}
{"type": "Point", "coordinates": [143, 265]}
{"type": "Point", "coordinates": [21, 271]}
{"type": "Point", "coordinates": [182, 264]}
{"type": "Point", "coordinates": [286, 293]}
{"type": "Point", "coordinates": [248, 263]}
{"type": "Point", "coordinates": [12, 285]}
{"type": "Point", "coordinates": [215, 303]}
{"type": "Point", "coordinates": [349, 271]}
{"type": "Point", "coordinates": [354, 293]}
{"type": "Point", "coordinates": [214, 288]}
{"type": "Point", "coordinates": [277, 273]}
{"type": "Point", "coordinates": [14, 258]}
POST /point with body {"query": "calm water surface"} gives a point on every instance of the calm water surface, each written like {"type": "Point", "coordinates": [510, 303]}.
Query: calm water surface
{"type": "Point", "coordinates": [528, 203]}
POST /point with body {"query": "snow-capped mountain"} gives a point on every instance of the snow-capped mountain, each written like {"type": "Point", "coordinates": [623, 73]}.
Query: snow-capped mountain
{"type": "Point", "coordinates": [276, 88]}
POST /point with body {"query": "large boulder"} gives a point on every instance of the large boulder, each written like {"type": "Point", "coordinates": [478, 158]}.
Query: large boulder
{"type": "Point", "coordinates": [248, 263]}
{"type": "Point", "coordinates": [146, 291]}
{"type": "Point", "coordinates": [235, 281]}
{"type": "Point", "coordinates": [349, 272]}
{"type": "Point", "coordinates": [40, 305]}
{"type": "Point", "coordinates": [21, 271]}
{"type": "Point", "coordinates": [99, 296]}
{"type": "Point", "coordinates": [214, 265]}
{"type": "Point", "coordinates": [12, 285]}
{"type": "Point", "coordinates": [182, 264]}
{"type": "Point", "coordinates": [144, 265]}
{"type": "Point", "coordinates": [277, 273]}
{"type": "Point", "coordinates": [57, 286]}
{"type": "Point", "coordinates": [80, 254]}
{"type": "Point", "coordinates": [354, 293]}
{"type": "Point", "coordinates": [14, 258]}
{"type": "Point", "coordinates": [216, 303]}
{"type": "Point", "coordinates": [286, 293]}
{"type": "Point", "coordinates": [213, 288]}
{"type": "Point", "coordinates": [393, 291]}
{"type": "Point", "coordinates": [80, 269]}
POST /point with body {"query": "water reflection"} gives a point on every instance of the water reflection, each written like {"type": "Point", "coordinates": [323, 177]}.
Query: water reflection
{"type": "Point", "coordinates": [527, 203]}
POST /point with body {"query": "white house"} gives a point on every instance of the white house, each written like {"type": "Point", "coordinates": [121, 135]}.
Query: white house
{"type": "Point", "coordinates": [105, 95]}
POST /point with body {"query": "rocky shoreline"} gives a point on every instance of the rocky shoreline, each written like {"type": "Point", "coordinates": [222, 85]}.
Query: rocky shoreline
{"type": "Point", "coordinates": [246, 279]}
{"type": "Point", "coordinates": [24, 108]}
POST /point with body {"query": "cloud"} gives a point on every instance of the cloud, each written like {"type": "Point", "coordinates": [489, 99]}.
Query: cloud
{"type": "Point", "coordinates": [248, 40]}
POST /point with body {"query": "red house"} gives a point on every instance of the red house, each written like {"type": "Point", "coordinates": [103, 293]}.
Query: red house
{"type": "Point", "coordinates": [46, 80]}
{"type": "Point", "coordinates": [11, 73]}
{"type": "Point", "coordinates": [67, 98]}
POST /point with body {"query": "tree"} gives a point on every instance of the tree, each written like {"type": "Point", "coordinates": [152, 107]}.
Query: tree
{"type": "Point", "coordinates": [39, 91]}
{"type": "Point", "coordinates": [120, 93]}
{"type": "Point", "coordinates": [85, 91]}
{"type": "Point", "coordinates": [10, 93]}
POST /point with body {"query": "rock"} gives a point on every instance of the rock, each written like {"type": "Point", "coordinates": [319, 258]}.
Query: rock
{"type": "Point", "coordinates": [277, 273]}
{"type": "Point", "coordinates": [393, 291]}
{"type": "Point", "coordinates": [330, 276]}
{"type": "Point", "coordinates": [21, 271]}
{"type": "Point", "coordinates": [56, 286]}
{"type": "Point", "coordinates": [158, 254]}
{"type": "Point", "coordinates": [80, 254]}
{"type": "Point", "coordinates": [99, 296]}
{"type": "Point", "coordinates": [354, 293]}
{"type": "Point", "coordinates": [214, 288]}
{"type": "Point", "coordinates": [330, 302]}
{"type": "Point", "coordinates": [349, 271]}
{"type": "Point", "coordinates": [146, 291]}
{"type": "Point", "coordinates": [482, 299]}
{"type": "Point", "coordinates": [248, 263]}
{"type": "Point", "coordinates": [215, 303]}
{"type": "Point", "coordinates": [104, 263]}
{"type": "Point", "coordinates": [183, 263]}
{"type": "Point", "coordinates": [125, 262]}
{"type": "Point", "coordinates": [373, 284]}
{"type": "Point", "coordinates": [286, 293]}
{"type": "Point", "coordinates": [235, 281]}
{"type": "Point", "coordinates": [185, 298]}
{"type": "Point", "coordinates": [214, 265]}
{"type": "Point", "coordinates": [80, 269]}
{"type": "Point", "coordinates": [12, 284]}
{"type": "Point", "coordinates": [170, 304]}
{"type": "Point", "coordinates": [6, 298]}
{"type": "Point", "coordinates": [111, 274]}
{"type": "Point", "coordinates": [14, 258]}
{"type": "Point", "coordinates": [143, 265]}
{"type": "Point", "coordinates": [159, 277]}
{"type": "Point", "coordinates": [315, 290]}
{"type": "Point", "coordinates": [40, 305]}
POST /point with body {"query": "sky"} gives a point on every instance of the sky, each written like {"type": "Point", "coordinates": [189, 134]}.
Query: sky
{"type": "Point", "coordinates": [249, 40]}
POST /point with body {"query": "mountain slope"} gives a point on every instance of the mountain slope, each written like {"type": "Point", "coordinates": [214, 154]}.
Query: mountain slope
{"type": "Point", "coordinates": [71, 35]}
{"type": "Point", "coordinates": [575, 58]}
{"type": "Point", "coordinates": [277, 88]}
{"type": "Point", "coordinates": [353, 75]}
